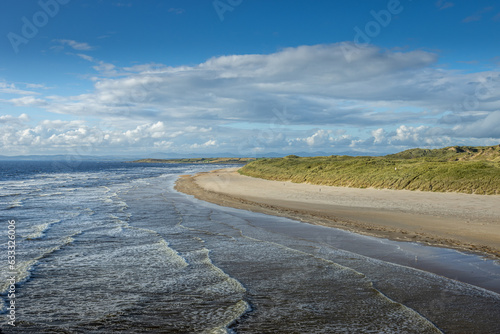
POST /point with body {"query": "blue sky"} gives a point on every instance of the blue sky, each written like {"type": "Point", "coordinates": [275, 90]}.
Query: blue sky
{"type": "Point", "coordinates": [247, 76]}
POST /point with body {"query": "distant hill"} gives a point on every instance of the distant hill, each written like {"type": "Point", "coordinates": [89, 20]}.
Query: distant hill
{"type": "Point", "coordinates": [457, 169]}
{"type": "Point", "coordinates": [198, 161]}
{"type": "Point", "coordinates": [154, 156]}
{"type": "Point", "coordinates": [453, 153]}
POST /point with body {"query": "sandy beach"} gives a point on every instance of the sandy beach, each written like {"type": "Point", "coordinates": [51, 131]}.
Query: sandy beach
{"type": "Point", "coordinates": [461, 221]}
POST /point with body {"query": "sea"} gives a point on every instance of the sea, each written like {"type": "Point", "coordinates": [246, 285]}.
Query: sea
{"type": "Point", "coordinates": [112, 247]}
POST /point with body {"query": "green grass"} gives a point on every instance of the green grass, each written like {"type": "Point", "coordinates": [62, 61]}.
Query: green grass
{"type": "Point", "coordinates": [454, 169]}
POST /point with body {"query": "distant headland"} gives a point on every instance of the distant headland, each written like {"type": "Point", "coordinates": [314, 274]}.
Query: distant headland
{"type": "Point", "coordinates": [197, 161]}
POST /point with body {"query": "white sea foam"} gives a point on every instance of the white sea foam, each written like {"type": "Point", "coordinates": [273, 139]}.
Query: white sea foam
{"type": "Point", "coordinates": [227, 316]}
{"type": "Point", "coordinates": [51, 194]}
{"type": "Point", "coordinates": [23, 268]}
{"type": "Point", "coordinates": [39, 230]}
{"type": "Point", "coordinates": [171, 254]}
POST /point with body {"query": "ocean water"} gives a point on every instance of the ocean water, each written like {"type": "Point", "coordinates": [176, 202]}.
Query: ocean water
{"type": "Point", "coordinates": [105, 247]}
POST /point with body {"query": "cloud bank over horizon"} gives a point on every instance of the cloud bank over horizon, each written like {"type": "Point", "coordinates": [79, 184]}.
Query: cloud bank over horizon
{"type": "Point", "coordinates": [298, 99]}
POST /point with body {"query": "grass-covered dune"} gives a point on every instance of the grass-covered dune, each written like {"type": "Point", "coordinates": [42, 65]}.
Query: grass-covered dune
{"type": "Point", "coordinates": [473, 170]}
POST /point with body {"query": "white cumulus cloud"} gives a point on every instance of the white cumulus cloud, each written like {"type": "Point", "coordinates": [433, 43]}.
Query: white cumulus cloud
{"type": "Point", "coordinates": [378, 97]}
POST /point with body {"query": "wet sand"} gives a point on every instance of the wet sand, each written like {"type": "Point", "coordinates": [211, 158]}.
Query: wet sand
{"type": "Point", "coordinates": [460, 221]}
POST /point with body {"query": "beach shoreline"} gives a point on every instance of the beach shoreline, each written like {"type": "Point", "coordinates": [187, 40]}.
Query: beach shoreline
{"type": "Point", "coordinates": [452, 220]}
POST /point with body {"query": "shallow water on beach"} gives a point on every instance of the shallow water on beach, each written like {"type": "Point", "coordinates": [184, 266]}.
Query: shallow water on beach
{"type": "Point", "coordinates": [121, 251]}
